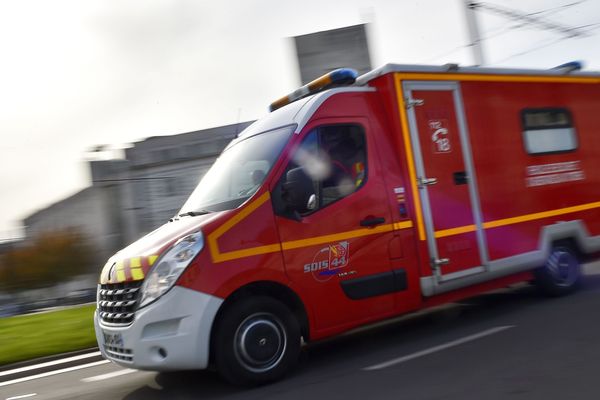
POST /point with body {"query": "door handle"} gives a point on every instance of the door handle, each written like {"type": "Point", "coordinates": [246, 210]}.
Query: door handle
{"type": "Point", "coordinates": [422, 182]}
{"type": "Point", "coordinates": [460, 177]}
{"type": "Point", "coordinates": [372, 221]}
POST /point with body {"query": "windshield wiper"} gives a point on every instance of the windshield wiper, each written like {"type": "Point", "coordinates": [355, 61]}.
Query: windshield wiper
{"type": "Point", "coordinates": [194, 213]}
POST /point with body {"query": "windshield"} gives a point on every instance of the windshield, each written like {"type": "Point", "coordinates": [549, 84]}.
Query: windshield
{"type": "Point", "coordinates": [238, 172]}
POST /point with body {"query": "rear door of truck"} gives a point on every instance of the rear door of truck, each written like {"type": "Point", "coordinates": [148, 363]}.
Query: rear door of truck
{"type": "Point", "coordinates": [445, 179]}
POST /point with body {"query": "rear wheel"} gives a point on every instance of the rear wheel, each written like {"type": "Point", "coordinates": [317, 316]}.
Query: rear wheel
{"type": "Point", "coordinates": [561, 274]}
{"type": "Point", "coordinates": [257, 340]}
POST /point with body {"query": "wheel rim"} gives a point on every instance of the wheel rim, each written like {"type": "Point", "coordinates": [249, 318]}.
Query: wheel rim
{"type": "Point", "coordinates": [563, 267]}
{"type": "Point", "coordinates": [260, 342]}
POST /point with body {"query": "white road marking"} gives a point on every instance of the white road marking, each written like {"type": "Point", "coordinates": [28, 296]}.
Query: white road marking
{"type": "Point", "coordinates": [434, 349]}
{"type": "Point", "coordinates": [49, 363]}
{"type": "Point", "coordinates": [50, 373]}
{"type": "Point", "coordinates": [109, 375]}
{"type": "Point", "coordinates": [23, 396]}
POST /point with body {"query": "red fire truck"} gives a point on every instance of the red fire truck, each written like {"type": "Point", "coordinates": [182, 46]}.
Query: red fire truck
{"type": "Point", "coordinates": [356, 200]}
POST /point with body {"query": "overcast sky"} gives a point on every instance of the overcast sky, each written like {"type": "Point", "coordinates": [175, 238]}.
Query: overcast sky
{"type": "Point", "coordinates": [74, 74]}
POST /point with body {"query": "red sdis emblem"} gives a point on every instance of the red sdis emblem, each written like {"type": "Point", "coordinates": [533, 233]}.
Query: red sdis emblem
{"type": "Point", "coordinates": [338, 255]}
{"type": "Point", "coordinates": [328, 260]}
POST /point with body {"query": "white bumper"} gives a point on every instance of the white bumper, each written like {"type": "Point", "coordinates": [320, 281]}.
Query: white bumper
{"type": "Point", "coordinates": [172, 333]}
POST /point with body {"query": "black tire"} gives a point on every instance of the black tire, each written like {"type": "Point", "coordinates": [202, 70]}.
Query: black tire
{"type": "Point", "coordinates": [257, 341]}
{"type": "Point", "coordinates": [561, 274]}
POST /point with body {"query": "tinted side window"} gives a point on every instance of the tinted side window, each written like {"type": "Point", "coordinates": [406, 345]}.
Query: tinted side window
{"type": "Point", "coordinates": [548, 130]}
{"type": "Point", "coordinates": [334, 158]}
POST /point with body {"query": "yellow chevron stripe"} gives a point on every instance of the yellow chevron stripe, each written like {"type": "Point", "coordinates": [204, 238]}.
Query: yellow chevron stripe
{"type": "Point", "coordinates": [216, 254]}
{"type": "Point", "coordinates": [135, 265]}
{"type": "Point", "coordinates": [120, 268]}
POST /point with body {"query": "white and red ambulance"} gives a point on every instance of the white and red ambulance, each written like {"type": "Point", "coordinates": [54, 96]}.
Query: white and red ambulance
{"type": "Point", "coordinates": [360, 199]}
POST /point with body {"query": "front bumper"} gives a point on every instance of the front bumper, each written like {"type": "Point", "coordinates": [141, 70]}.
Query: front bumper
{"type": "Point", "coordinates": [172, 333]}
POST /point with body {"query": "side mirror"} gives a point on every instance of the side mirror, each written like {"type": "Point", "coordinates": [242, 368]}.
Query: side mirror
{"type": "Point", "coordinates": [298, 192]}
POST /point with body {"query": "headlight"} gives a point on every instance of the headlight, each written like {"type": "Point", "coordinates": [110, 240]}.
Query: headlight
{"type": "Point", "coordinates": [170, 266]}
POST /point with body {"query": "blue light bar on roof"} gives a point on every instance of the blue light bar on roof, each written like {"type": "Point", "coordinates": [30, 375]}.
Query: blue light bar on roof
{"type": "Point", "coordinates": [570, 66]}
{"type": "Point", "coordinates": [338, 77]}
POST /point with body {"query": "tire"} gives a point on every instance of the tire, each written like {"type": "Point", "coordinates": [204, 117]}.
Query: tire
{"type": "Point", "coordinates": [256, 341]}
{"type": "Point", "coordinates": [561, 274]}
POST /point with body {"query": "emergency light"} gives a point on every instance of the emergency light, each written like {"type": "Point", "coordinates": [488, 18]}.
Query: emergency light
{"type": "Point", "coordinates": [569, 67]}
{"type": "Point", "coordinates": [338, 77]}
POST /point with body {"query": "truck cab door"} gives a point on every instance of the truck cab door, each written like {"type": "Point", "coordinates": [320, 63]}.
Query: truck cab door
{"type": "Point", "coordinates": [335, 230]}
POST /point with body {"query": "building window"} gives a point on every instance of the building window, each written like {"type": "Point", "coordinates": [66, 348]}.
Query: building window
{"type": "Point", "coordinates": [548, 130]}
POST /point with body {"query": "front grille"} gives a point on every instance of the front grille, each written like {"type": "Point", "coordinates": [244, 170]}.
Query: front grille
{"type": "Point", "coordinates": [117, 302]}
{"type": "Point", "coordinates": [118, 353]}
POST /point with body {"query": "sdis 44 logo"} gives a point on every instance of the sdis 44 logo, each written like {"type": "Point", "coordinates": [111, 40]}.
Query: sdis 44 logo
{"type": "Point", "coordinates": [328, 260]}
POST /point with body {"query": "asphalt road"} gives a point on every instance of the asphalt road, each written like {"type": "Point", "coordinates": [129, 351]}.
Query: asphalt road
{"type": "Point", "coordinates": [509, 344]}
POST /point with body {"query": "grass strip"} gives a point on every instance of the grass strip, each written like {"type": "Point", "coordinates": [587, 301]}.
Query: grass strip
{"type": "Point", "coordinates": [26, 337]}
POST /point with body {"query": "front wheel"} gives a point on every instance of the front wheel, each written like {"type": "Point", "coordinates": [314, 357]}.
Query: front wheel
{"type": "Point", "coordinates": [561, 274]}
{"type": "Point", "coordinates": [257, 340]}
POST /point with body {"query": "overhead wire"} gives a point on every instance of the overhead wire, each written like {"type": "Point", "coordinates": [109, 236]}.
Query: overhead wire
{"type": "Point", "coordinates": [540, 45]}
{"type": "Point", "coordinates": [510, 27]}
{"type": "Point", "coordinates": [572, 32]}
{"type": "Point", "coordinates": [514, 15]}
{"type": "Point", "coordinates": [545, 43]}
{"type": "Point", "coordinates": [522, 25]}
{"type": "Point", "coordinates": [554, 10]}
{"type": "Point", "coordinates": [430, 59]}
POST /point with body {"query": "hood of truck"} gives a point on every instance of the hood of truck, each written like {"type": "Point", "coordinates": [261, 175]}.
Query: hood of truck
{"type": "Point", "coordinates": [134, 261]}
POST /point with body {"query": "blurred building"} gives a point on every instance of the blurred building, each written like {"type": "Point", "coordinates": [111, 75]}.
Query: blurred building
{"type": "Point", "coordinates": [321, 52]}
{"type": "Point", "coordinates": [133, 196]}
{"type": "Point", "coordinates": [89, 212]}
{"type": "Point", "coordinates": [161, 173]}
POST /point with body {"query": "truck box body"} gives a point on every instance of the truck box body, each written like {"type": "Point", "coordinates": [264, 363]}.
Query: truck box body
{"type": "Point", "coordinates": [417, 186]}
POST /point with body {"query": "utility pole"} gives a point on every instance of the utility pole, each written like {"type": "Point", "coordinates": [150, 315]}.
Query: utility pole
{"type": "Point", "coordinates": [474, 36]}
